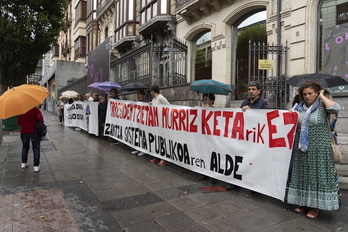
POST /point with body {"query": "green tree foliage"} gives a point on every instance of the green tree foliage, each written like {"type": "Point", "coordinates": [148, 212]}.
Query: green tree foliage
{"type": "Point", "coordinates": [256, 34]}
{"type": "Point", "coordinates": [28, 29]}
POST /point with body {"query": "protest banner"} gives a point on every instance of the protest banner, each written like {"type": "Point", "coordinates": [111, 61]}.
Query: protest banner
{"type": "Point", "coordinates": [83, 115]}
{"type": "Point", "coordinates": [251, 149]}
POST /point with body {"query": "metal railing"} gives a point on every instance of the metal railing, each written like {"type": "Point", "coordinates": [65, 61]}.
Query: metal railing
{"type": "Point", "coordinates": [163, 65]}
{"type": "Point", "coordinates": [275, 90]}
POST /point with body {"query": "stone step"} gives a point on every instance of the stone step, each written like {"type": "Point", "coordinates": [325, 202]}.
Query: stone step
{"type": "Point", "coordinates": [342, 138]}
{"type": "Point", "coordinates": [343, 182]}
{"type": "Point", "coordinates": [342, 169]}
{"type": "Point", "coordinates": [344, 158]}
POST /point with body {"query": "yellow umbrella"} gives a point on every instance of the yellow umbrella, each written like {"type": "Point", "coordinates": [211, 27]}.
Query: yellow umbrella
{"type": "Point", "coordinates": [20, 99]}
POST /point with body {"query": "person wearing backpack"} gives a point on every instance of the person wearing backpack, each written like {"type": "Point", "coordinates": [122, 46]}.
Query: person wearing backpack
{"type": "Point", "coordinates": [27, 122]}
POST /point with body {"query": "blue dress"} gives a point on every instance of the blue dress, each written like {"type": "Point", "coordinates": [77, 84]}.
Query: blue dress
{"type": "Point", "coordinates": [313, 178]}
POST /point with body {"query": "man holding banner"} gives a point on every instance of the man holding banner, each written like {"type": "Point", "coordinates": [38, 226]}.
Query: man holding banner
{"type": "Point", "coordinates": [255, 101]}
{"type": "Point", "coordinates": [250, 149]}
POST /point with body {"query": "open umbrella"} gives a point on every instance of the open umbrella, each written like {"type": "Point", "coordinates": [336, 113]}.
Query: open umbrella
{"type": "Point", "coordinates": [20, 99]}
{"type": "Point", "coordinates": [69, 94]}
{"type": "Point", "coordinates": [93, 85]}
{"type": "Point", "coordinates": [326, 80]}
{"type": "Point", "coordinates": [210, 86]}
{"type": "Point", "coordinates": [105, 86]}
{"type": "Point", "coordinates": [133, 86]}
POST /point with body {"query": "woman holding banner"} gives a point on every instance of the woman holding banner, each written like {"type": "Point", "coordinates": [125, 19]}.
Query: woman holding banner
{"type": "Point", "coordinates": [313, 183]}
{"type": "Point", "coordinates": [140, 98]}
{"type": "Point", "coordinates": [208, 101]}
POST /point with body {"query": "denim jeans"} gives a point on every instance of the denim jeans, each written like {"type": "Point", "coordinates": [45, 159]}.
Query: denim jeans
{"type": "Point", "coordinates": [26, 145]}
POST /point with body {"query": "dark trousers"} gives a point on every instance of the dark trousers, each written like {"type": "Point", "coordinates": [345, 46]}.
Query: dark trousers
{"type": "Point", "coordinates": [26, 138]}
{"type": "Point", "coordinates": [61, 116]}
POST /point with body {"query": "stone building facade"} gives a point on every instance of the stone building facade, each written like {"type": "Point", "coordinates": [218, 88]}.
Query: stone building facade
{"type": "Point", "coordinates": [301, 26]}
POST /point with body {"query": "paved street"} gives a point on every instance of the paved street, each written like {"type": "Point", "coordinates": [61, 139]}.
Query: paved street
{"type": "Point", "coordinates": [86, 184]}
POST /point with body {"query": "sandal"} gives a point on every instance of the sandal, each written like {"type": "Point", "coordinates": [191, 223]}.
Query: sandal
{"type": "Point", "coordinates": [312, 213]}
{"type": "Point", "coordinates": [301, 209]}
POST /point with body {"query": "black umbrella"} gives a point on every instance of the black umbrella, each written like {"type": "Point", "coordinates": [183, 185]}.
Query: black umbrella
{"type": "Point", "coordinates": [326, 80]}
{"type": "Point", "coordinates": [133, 86]}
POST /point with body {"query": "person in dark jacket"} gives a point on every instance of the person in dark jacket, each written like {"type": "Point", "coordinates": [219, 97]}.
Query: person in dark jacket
{"type": "Point", "coordinates": [254, 101]}
{"type": "Point", "coordinates": [27, 123]}
{"type": "Point", "coordinates": [102, 107]}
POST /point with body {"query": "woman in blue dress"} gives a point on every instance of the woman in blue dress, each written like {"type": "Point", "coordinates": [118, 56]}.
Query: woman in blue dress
{"type": "Point", "coordinates": [313, 184]}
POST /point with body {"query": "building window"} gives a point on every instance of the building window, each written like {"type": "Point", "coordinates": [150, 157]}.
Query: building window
{"type": "Point", "coordinates": [203, 57]}
{"type": "Point", "coordinates": [80, 47]}
{"type": "Point", "coordinates": [81, 11]}
{"type": "Point", "coordinates": [125, 21]}
{"type": "Point", "coordinates": [150, 9]}
{"type": "Point", "coordinates": [342, 13]}
{"type": "Point", "coordinates": [333, 38]}
{"type": "Point", "coordinates": [56, 50]}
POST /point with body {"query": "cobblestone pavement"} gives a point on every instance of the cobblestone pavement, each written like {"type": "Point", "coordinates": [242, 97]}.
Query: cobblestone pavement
{"type": "Point", "coordinates": [86, 184]}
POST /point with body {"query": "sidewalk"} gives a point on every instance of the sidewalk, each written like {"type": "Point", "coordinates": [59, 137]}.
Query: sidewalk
{"type": "Point", "coordinates": [86, 184]}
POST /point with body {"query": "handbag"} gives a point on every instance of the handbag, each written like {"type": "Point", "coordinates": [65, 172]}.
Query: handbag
{"type": "Point", "coordinates": [336, 148]}
{"type": "Point", "coordinates": [337, 154]}
{"type": "Point", "coordinates": [41, 128]}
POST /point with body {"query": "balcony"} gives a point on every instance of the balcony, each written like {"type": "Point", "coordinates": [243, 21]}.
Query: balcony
{"type": "Point", "coordinates": [194, 10]}
{"type": "Point", "coordinates": [103, 6]}
{"type": "Point", "coordinates": [127, 43]}
{"type": "Point", "coordinates": [157, 22]}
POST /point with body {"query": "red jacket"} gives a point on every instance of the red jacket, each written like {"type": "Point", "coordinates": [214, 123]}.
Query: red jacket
{"type": "Point", "coordinates": [28, 120]}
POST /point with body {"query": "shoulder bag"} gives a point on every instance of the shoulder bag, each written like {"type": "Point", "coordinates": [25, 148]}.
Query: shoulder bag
{"type": "Point", "coordinates": [336, 147]}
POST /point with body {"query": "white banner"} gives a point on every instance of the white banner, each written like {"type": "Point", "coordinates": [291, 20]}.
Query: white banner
{"type": "Point", "coordinates": [251, 149]}
{"type": "Point", "coordinates": [83, 115]}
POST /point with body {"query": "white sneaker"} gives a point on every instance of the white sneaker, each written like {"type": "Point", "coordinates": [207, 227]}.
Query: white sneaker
{"type": "Point", "coordinates": [36, 168]}
{"type": "Point", "coordinates": [135, 152]}
{"type": "Point", "coordinates": [141, 154]}
{"type": "Point", "coordinates": [24, 165]}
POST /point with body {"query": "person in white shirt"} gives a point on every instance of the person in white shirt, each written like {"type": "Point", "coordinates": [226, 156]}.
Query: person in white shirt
{"type": "Point", "coordinates": [158, 99]}
{"type": "Point", "coordinates": [88, 97]}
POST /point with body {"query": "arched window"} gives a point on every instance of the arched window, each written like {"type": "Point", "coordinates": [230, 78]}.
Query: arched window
{"type": "Point", "coordinates": [251, 27]}
{"type": "Point", "coordinates": [202, 56]}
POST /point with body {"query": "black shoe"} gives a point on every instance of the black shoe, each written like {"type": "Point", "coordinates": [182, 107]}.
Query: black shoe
{"type": "Point", "coordinates": [232, 187]}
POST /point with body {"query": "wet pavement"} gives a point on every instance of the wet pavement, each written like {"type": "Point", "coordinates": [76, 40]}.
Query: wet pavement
{"type": "Point", "coordinates": [86, 184]}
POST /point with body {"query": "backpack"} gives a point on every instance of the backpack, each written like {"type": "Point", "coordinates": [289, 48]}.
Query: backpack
{"type": "Point", "coordinates": [41, 129]}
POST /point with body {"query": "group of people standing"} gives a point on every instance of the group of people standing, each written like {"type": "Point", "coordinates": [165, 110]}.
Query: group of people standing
{"type": "Point", "coordinates": [312, 185]}
{"type": "Point", "coordinates": [157, 99]}
{"type": "Point", "coordinates": [313, 181]}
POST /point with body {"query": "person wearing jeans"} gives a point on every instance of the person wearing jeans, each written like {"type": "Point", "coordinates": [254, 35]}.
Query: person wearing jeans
{"type": "Point", "coordinates": [27, 122]}
{"type": "Point", "coordinates": [26, 138]}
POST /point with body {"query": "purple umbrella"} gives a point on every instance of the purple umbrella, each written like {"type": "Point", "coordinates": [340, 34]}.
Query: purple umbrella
{"type": "Point", "coordinates": [105, 86]}
{"type": "Point", "coordinates": [93, 85]}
